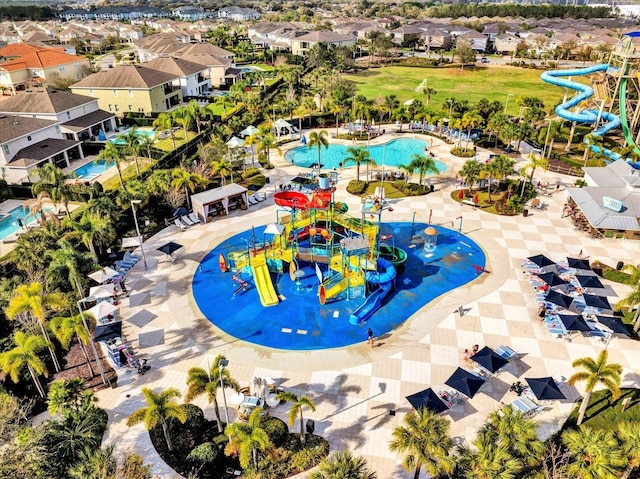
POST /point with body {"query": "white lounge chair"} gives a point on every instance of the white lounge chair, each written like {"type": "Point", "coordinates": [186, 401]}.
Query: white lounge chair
{"type": "Point", "coordinates": [194, 219]}
{"type": "Point", "coordinates": [186, 220]}
{"type": "Point", "coordinates": [180, 224]}
{"type": "Point", "coordinates": [252, 201]}
{"type": "Point", "coordinates": [259, 197]}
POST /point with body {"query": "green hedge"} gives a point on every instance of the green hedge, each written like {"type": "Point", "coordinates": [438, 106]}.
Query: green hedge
{"type": "Point", "coordinates": [356, 187]}
{"type": "Point", "coordinates": [462, 152]}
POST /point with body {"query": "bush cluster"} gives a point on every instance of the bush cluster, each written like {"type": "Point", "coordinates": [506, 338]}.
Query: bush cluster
{"type": "Point", "coordinates": [356, 187]}
{"type": "Point", "coordinates": [410, 189]}
{"type": "Point", "coordinates": [462, 152]}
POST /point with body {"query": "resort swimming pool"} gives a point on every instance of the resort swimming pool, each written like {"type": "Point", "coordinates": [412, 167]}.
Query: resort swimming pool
{"type": "Point", "coordinates": [300, 322]}
{"type": "Point", "coordinates": [393, 153]}
{"type": "Point", "coordinates": [139, 132]}
{"type": "Point", "coordinates": [9, 223]}
{"type": "Point", "coordinates": [92, 170]}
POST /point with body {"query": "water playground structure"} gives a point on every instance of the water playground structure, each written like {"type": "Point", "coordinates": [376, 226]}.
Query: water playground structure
{"type": "Point", "coordinates": [613, 99]}
{"type": "Point", "coordinates": [312, 230]}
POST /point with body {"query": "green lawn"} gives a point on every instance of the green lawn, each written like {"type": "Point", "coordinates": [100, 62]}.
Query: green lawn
{"type": "Point", "coordinates": [603, 414]}
{"type": "Point", "coordinates": [261, 66]}
{"type": "Point", "coordinates": [472, 84]}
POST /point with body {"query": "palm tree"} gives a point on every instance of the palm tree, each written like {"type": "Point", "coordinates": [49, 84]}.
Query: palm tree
{"type": "Point", "coordinates": [246, 439]}
{"type": "Point", "coordinates": [223, 168]}
{"type": "Point", "coordinates": [30, 300]}
{"type": "Point", "coordinates": [91, 229]}
{"type": "Point", "coordinates": [95, 464]}
{"type": "Point", "coordinates": [145, 143]}
{"type": "Point", "coordinates": [596, 372]}
{"type": "Point", "coordinates": [428, 92]}
{"type": "Point", "coordinates": [629, 439]}
{"type": "Point", "coordinates": [65, 329]}
{"type": "Point", "coordinates": [69, 437]}
{"type": "Point", "coordinates": [200, 381]}
{"type": "Point", "coordinates": [391, 103]}
{"type": "Point", "coordinates": [111, 155]}
{"type": "Point", "coordinates": [490, 171]}
{"type": "Point", "coordinates": [182, 117]}
{"type": "Point", "coordinates": [132, 145]}
{"type": "Point", "coordinates": [160, 407]}
{"type": "Point", "coordinates": [489, 460]}
{"type": "Point", "coordinates": [70, 396]}
{"type": "Point", "coordinates": [495, 124]}
{"type": "Point", "coordinates": [424, 439]}
{"type": "Point", "coordinates": [298, 403]}
{"type": "Point", "coordinates": [595, 453]}
{"type": "Point", "coordinates": [37, 208]}
{"type": "Point", "coordinates": [357, 155]}
{"type": "Point", "coordinates": [25, 353]}
{"type": "Point", "coordinates": [66, 258]}
{"type": "Point", "coordinates": [252, 141]}
{"type": "Point", "coordinates": [165, 122]}
{"type": "Point", "coordinates": [470, 171]}
{"type": "Point", "coordinates": [535, 162]}
{"type": "Point", "coordinates": [54, 181]}
{"type": "Point", "coordinates": [343, 464]}
{"type": "Point", "coordinates": [632, 300]}
{"type": "Point", "coordinates": [267, 141]}
{"type": "Point", "coordinates": [197, 112]}
{"type": "Point", "coordinates": [187, 180]}
{"type": "Point", "coordinates": [319, 139]}
{"type": "Point", "coordinates": [422, 164]}
{"type": "Point", "coordinates": [470, 120]}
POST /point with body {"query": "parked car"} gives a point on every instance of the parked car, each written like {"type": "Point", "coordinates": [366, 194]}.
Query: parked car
{"type": "Point", "coordinates": [484, 60]}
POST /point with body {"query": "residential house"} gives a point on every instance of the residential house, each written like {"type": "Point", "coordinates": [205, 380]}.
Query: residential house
{"type": "Point", "coordinates": [131, 88]}
{"type": "Point", "coordinates": [507, 44]}
{"type": "Point", "coordinates": [26, 143]}
{"type": "Point", "coordinates": [191, 77]}
{"type": "Point", "coordinates": [477, 40]}
{"type": "Point", "coordinates": [217, 68]}
{"type": "Point", "coordinates": [77, 14]}
{"type": "Point", "coordinates": [405, 33]}
{"type": "Point", "coordinates": [188, 13]}
{"type": "Point", "coordinates": [39, 68]}
{"type": "Point", "coordinates": [300, 45]}
{"type": "Point", "coordinates": [160, 44]}
{"type": "Point", "coordinates": [79, 116]}
{"type": "Point", "coordinates": [435, 39]}
{"type": "Point", "coordinates": [8, 36]}
{"type": "Point", "coordinates": [238, 14]}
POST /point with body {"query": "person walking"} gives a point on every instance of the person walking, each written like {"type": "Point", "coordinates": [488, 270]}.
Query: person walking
{"type": "Point", "coordinates": [370, 336]}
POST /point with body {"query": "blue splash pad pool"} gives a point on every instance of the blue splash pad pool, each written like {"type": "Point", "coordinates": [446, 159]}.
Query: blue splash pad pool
{"type": "Point", "coordinates": [300, 322]}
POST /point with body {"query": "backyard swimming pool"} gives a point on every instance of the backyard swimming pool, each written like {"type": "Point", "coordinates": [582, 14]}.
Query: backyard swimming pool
{"type": "Point", "coordinates": [92, 170]}
{"type": "Point", "coordinates": [300, 322]}
{"type": "Point", "coordinates": [139, 132]}
{"type": "Point", "coordinates": [9, 223]}
{"type": "Point", "coordinates": [393, 153]}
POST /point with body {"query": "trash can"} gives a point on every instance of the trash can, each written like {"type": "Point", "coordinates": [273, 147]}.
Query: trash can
{"type": "Point", "coordinates": [525, 212]}
{"type": "Point", "coordinates": [267, 180]}
{"type": "Point", "coordinates": [431, 188]}
{"type": "Point", "coordinates": [620, 265]}
{"type": "Point", "coordinates": [311, 426]}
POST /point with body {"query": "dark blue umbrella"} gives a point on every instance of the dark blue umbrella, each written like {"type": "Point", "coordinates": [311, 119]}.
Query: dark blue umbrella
{"type": "Point", "coordinates": [170, 247]}
{"type": "Point", "coordinates": [559, 299]}
{"type": "Point", "coordinates": [303, 140]}
{"type": "Point", "coordinates": [427, 399]}
{"type": "Point", "coordinates": [489, 359]}
{"type": "Point", "coordinates": [105, 332]}
{"type": "Point", "coordinates": [544, 388]}
{"type": "Point", "coordinates": [589, 281]}
{"type": "Point", "coordinates": [578, 263]}
{"type": "Point", "coordinates": [180, 211]}
{"type": "Point", "coordinates": [574, 322]}
{"type": "Point", "coordinates": [600, 302]}
{"type": "Point", "coordinates": [614, 324]}
{"type": "Point", "coordinates": [552, 279]}
{"type": "Point", "coordinates": [465, 382]}
{"type": "Point", "coordinates": [541, 260]}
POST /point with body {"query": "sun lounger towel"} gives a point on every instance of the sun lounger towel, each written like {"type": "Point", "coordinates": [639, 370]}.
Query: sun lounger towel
{"type": "Point", "coordinates": [186, 220]}
{"type": "Point", "coordinates": [180, 224]}
{"type": "Point", "coordinates": [252, 201]}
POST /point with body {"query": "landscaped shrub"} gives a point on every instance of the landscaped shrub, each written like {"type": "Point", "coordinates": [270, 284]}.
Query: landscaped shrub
{"type": "Point", "coordinates": [411, 189]}
{"type": "Point", "coordinates": [462, 152]}
{"type": "Point", "coordinates": [314, 451]}
{"type": "Point", "coordinates": [356, 187]}
{"type": "Point", "coordinates": [276, 429]}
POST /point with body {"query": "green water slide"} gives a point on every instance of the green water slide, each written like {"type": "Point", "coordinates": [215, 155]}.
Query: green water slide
{"type": "Point", "coordinates": [623, 115]}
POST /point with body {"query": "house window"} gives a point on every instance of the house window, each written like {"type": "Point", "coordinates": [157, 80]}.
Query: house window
{"type": "Point", "coordinates": [130, 107]}
{"type": "Point", "coordinates": [115, 92]}
{"type": "Point", "coordinates": [117, 107]}
{"type": "Point", "coordinates": [28, 137]}
{"type": "Point", "coordinates": [110, 107]}
{"type": "Point", "coordinates": [61, 68]}
{"type": "Point", "coordinates": [84, 109]}
{"type": "Point", "coordinates": [57, 129]}
{"type": "Point", "coordinates": [130, 93]}
{"type": "Point", "coordinates": [5, 149]}
{"type": "Point", "coordinates": [68, 115]}
{"type": "Point", "coordinates": [91, 92]}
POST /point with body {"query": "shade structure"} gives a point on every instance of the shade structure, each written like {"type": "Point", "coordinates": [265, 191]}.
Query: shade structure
{"type": "Point", "coordinates": [465, 382]}
{"type": "Point", "coordinates": [427, 399]}
{"type": "Point", "coordinates": [600, 302]}
{"type": "Point", "coordinates": [102, 310]}
{"type": "Point", "coordinates": [102, 291]}
{"type": "Point", "coordinates": [105, 332]}
{"type": "Point", "coordinates": [248, 131]}
{"type": "Point", "coordinates": [552, 279]}
{"type": "Point", "coordinates": [303, 140]}
{"type": "Point", "coordinates": [613, 324]}
{"type": "Point", "coordinates": [573, 322]}
{"type": "Point", "coordinates": [180, 211]}
{"type": "Point", "coordinates": [541, 260]}
{"type": "Point", "coordinates": [235, 142]}
{"type": "Point", "coordinates": [559, 299]}
{"type": "Point", "coordinates": [545, 389]}
{"type": "Point", "coordinates": [103, 275]}
{"type": "Point", "coordinates": [131, 242]}
{"type": "Point", "coordinates": [170, 247]}
{"type": "Point", "coordinates": [589, 281]}
{"type": "Point", "coordinates": [578, 263]}
{"type": "Point", "coordinates": [489, 359]}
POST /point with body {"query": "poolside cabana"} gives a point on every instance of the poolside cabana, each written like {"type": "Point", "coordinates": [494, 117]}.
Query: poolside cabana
{"type": "Point", "coordinates": [218, 200]}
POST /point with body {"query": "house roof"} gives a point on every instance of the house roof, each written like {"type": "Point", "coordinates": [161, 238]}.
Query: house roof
{"type": "Point", "coordinates": [85, 121]}
{"type": "Point", "coordinates": [44, 58]}
{"type": "Point", "coordinates": [204, 59]}
{"type": "Point", "coordinates": [589, 200]}
{"type": "Point", "coordinates": [12, 126]}
{"type": "Point", "coordinates": [324, 36]}
{"type": "Point", "coordinates": [126, 76]}
{"type": "Point", "coordinates": [208, 48]}
{"type": "Point", "coordinates": [21, 49]}
{"type": "Point", "coordinates": [50, 100]}
{"type": "Point", "coordinates": [217, 194]}
{"type": "Point", "coordinates": [36, 153]}
{"type": "Point", "coordinates": [176, 66]}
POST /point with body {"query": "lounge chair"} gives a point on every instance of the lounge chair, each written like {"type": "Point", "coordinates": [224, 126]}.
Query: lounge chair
{"type": "Point", "coordinates": [194, 219]}
{"type": "Point", "coordinates": [252, 201]}
{"type": "Point", "coordinates": [185, 219]}
{"type": "Point", "coordinates": [180, 224]}
{"type": "Point", "coordinates": [129, 258]}
{"type": "Point", "coordinates": [259, 197]}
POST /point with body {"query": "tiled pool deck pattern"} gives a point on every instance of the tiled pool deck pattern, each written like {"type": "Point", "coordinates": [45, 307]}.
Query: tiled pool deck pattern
{"type": "Point", "coordinates": [354, 388]}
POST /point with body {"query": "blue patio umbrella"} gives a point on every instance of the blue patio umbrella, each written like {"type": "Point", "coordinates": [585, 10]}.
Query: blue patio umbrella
{"type": "Point", "coordinates": [541, 260]}
{"type": "Point", "coordinates": [573, 322]}
{"type": "Point", "coordinates": [105, 332]}
{"type": "Point", "coordinates": [180, 211]}
{"type": "Point", "coordinates": [489, 359]}
{"type": "Point", "coordinates": [614, 324]}
{"type": "Point", "coordinates": [427, 399]}
{"type": "Point", "coordinates": [552, 279]}
{"type": "Point", "coordinates": [465, 382]}
{"type": "Point", "coordinates": [303, 140]}
{"type": "Point", "coordinates": [559, 299]}
{"type": "Point", "coordinates": [589, 281]}
{"type": "Point", "coordinates": [578, 263]}
{"type": "Point", "coordinates": [600, 302]}
{"type": "Point", "coordinates": [544, 389]}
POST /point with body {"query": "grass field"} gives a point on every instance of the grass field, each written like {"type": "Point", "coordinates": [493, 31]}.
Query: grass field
{"type": "Point", "coordinates": [473, 84]}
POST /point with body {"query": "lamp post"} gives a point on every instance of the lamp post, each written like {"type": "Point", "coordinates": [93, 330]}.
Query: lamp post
{"type": "Point", "coordinates": [450, 102]}
{"type": "Point", "coordinates": [93, 344]}
{"type": "Point", "coordinates": [135, 220]}
{"type": "Point", "coordinates": [506, 105]}
{"type": "Point", "coordinates": [221, 365]}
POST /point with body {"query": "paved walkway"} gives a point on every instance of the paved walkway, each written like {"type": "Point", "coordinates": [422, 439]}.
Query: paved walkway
{"type": "Point", "coordinates": [355, 388]}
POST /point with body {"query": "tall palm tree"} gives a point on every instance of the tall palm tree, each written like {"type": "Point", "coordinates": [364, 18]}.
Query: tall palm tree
{"type": "Point", "coordinates": [54, 181]}
{"type": "Point", "coordinates": [31, 301]}
{"type": "Point", "coordinates": [424, 440]}
{"type": "Point", "coordinates": [535, 162]}
{"type": "Point", "coordinates": [132, 145]}
{"type": "Point", "coordinates": [595, 453]}
{"type": "Point", "coordinates": [187, 180]}
{"type": "Point", "coordinates": [423, 164]}
{"type": "Point", "coordinates": [267, 141]}
{"type": "Point", "coordinates": [66, 258]}
{"type": "Point", "coordinates": [470, 172]}
{"type": "Point", "coordinates": [182, 117]}
{"type": "Point", "coordinates": [95, 464]}
{"type": "Point", "coordinates": [37, 208]}
{"type": "Point", "coordinates": [92, 229]}
{"type": "Point", "coordinates": [160, 407]}
{"type": "Point", "coordinates": [112, 155]}
{"type": "Point", "coordinates": [197, 112]}
{"type": "Point", "coordinates": [165, 122]}
{"type": "Point", "coordinates": [145, 143]}
{"type": "Point", "coordinates": [470, 120]}
{"type": "Point", "coordinates": [490, 171]}
{"type": "Point", "coordinates": [428, 92]}
{"type": "Point", "coordinates": [632, 300]}
{"type": "Point", "coordinates": [67, 328]}
{"type": "Point", "coordinates": [25, 353]}
{"type": "Point", "coordinates": [489, 460]}
{"type": "Point", "coordinates": [496, 122]}
{"type": "Point", "coordinates": [70, 396]}
{"type": "Point", "coordinates": [596, 372]}
{"type": "Point", "coordinates": [359, 156]}
{"type": "Point", "coordinates": [252, 141]}
{"type": "Point", "coordinates": [223, 168]}
{"type": "Point", "coordinates": [298, 403]}
{"type": "Point", "coordinates": [319, 139]}
{"type": "Point", "coordinates": [343, 465]}
{"type": "Point", "coordinates": [391, 103]}
{"type": "Point", "coordinates": [200, 381]}
{"type": "Point", "coordinates": [246, 439]}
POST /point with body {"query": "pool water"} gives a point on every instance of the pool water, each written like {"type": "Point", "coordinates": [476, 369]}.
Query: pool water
{"type": "Point", "coordinates": [92, 169]}
{"type": "Point", "coordinates": [9, 223]}
{"type": "Point", "coordinates": [300, 322]}
{"type": "Point", "coordinates": [393, 153]}
{"type": "Point", "coordinates": [139, 132]}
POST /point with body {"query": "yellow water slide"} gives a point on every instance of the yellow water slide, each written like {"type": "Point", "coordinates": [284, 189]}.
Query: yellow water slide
{"type": "Point", "coordinates": [264, 285]}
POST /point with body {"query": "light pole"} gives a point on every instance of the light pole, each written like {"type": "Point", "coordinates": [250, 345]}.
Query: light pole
{"type": "Point", "coordinates": [506, 105]}
{"type": "Point", "coordinates": [135, 220]}
{"type": "Point", "coordinates": [221, 365]}
{"type": "Point", "coordinates": [450, 102]}
{"type": "Point", "coordinates": [93, 344]}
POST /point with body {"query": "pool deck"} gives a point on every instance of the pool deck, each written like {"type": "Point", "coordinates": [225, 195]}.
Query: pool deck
{"type": "Point", "coordinates": [355, 388]}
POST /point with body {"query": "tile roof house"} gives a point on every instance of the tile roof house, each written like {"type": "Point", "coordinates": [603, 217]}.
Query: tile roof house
{"type": "Point", "coordinates": [238, 14]}
{"type": "Point", "coordinates": [26, 143]}
{"type": "Point", "coordinates": [79, 116]}
{"type": "Point", "coordinates": [192, 77]}
{"type": "Point", "coordinates": [300, 45]}
{"type": "Point", "coordinates": [477, 40]}
{"type": "Point", "coordinates": [506, 44]}
{"type": "Point", "coordinates": [39, 68]}
{"type": "Point", "coordinates": [134, 88]}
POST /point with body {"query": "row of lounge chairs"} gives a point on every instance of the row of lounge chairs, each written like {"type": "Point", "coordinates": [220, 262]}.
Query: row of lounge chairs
{"type": "Point", "coordinates": [128, 261]}
{"type": "Point", "coordinates": [185, 221]}
{"type": "Point", "coordinates": [255, 199]}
